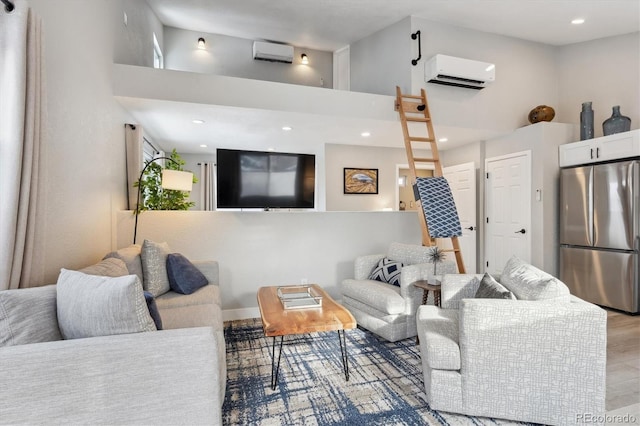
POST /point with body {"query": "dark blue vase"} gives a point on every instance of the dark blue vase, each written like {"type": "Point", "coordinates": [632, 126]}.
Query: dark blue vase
{"type": "Point", "coordinates": [617, 123]}
{"type": "Point", "coordinates": [586, 121]}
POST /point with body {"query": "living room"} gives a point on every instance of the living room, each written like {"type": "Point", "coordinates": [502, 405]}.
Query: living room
{"type": "Point", "coordinates": [84, 197]}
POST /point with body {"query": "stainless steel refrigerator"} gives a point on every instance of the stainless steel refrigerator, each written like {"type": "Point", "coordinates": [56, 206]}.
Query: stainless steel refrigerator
{"type": "Point", "coordinates": [600, 233]}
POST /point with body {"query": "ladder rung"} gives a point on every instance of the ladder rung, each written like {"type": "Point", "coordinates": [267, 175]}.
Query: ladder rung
{"type": "Point", "coordinates": [425, 160]}
{"type": "Point", "coordinates": [450, 250]}
{"type": "Point", "coordinates": [412, 96]}
{"type": "Point", "coordinates": [421, 139]}
{"type": "Point", "coordinates": [420, 119]}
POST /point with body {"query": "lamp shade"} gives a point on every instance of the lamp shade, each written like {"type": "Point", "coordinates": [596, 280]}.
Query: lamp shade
{"type": "Point", "coordinates": [174, 179]}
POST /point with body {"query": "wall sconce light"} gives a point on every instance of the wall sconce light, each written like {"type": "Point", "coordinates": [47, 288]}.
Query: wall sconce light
{"type": "Point", "coordinates": [305, 59]}
{"type": "Point", "coordinates": [201, 43]}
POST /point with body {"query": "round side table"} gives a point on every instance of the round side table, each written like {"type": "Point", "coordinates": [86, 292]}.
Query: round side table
{"type": "Point", "coordinates": [426, 288]}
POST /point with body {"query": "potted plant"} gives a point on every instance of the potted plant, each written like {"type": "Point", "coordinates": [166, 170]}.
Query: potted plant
{"type": "Point", "coordinates": [436, 256]}
{"type": "Point", "coordinates": [153, 196]}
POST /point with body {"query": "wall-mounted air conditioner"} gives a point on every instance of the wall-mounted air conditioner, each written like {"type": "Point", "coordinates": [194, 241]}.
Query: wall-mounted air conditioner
{"type": "Point", "coordinates": [460, 72]}
{"type": "Point", "coordinates": [272, 52]}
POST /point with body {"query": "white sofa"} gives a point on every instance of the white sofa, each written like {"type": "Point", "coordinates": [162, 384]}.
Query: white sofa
{"type": "Point", "coordinates": [538, 358]}
{"type": "Point", "coordinates": [173, 376]}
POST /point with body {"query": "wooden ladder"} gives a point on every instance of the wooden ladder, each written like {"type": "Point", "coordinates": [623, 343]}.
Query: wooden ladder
{"type": "Point", "coordinates": [414, 108]}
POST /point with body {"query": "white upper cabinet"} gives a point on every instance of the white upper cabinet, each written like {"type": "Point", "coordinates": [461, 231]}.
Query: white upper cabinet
{"type": "Point", "coordinates": [612, 147]}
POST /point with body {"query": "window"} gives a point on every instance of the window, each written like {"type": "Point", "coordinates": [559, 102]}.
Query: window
{"type": "Point", "coordinates": [158, 59]}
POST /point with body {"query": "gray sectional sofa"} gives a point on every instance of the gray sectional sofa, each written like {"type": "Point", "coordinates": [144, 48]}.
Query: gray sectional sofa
{"type": "Point", "coordinates": [176, 375]}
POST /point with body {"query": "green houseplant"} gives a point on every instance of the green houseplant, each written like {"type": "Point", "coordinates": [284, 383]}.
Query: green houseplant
{"type": "Point", "coordinates": [153, 196]}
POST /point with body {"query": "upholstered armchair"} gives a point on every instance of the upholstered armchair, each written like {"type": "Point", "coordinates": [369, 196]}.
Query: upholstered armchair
{"type": "Point", "coordinates": [386, 309]}
{"type": "Point", "coordinates": [536, 354]}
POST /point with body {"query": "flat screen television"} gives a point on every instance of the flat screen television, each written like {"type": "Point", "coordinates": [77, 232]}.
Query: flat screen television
{"type": "Point", "coordinates": [266, 180]}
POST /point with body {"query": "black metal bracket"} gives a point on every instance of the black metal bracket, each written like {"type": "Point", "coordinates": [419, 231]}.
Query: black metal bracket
{"type": "Point", "coordinates": [8, 6]}
{"type": "Point", "coordinates": [414, 36]}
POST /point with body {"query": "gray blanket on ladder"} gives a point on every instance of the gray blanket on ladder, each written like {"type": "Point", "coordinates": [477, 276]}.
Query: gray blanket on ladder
{"type": "Point", "coordinates": [439, 207]}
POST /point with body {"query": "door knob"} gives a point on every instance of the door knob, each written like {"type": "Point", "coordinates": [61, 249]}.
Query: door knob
{"type": "Point", "coordinates": [471, 228]}
{"type": "Point", "coordinates": [522, 231]}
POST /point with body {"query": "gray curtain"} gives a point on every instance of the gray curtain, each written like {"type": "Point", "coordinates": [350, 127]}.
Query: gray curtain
{"type": "Point", "coordinates": [22, 120]}
{"type": "Point", "coordinates": [206, 186]}
{"type": "Point", "coordinates": [134, 140]}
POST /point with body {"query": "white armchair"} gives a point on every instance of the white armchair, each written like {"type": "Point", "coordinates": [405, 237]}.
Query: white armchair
{"type": "Point", "coordinates": [385, 309]}
{"type": "Point", "coordinates": [540, 361]}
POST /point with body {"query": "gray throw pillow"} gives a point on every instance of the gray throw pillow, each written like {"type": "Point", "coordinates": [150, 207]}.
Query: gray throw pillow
{"type": "Point", "coordinates": [491, 289]}
{"type": "Point", "coordinates": [28, 315]}
{"type": "Point", "coordinates": [154, 267]}
{"type": "Point", "coordinates": [131, 257]}
{"type": "Point", "coordinates": [110, 267]}
{"type": "Point", "coordinates": [91, 305]}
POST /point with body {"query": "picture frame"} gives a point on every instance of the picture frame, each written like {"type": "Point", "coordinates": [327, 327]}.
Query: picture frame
{"type": "Point", "coordinates": [360, 181]}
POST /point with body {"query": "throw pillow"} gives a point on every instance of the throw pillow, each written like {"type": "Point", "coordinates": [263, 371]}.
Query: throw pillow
{"type": "Point", "coordinates": [153, 309]}
{"type": "Point", "coordinates": [110, 267]}
{"type": "Point", "coordinates": [91, 305]}
{"type": "Point", "coordinates": [184, 276]}
{"type": "Point", "coordinates": [527, 282]}
{"type": "Point", "coordinates": [491, 289]}
{"type": "Point", "coordinates": [131, 257]}
{"type": "Point", "coordinates": [28, 315]}
{"type": "Point", "coordinates": [154, 267]}
{"type": "Point", "coordinates": [387, 271]}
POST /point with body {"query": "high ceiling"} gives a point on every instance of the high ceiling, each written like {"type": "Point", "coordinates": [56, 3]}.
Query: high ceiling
{"type": "Point", "coordinates": [331, 24]}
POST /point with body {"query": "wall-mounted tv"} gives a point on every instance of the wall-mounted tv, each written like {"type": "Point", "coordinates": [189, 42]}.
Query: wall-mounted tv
{"type": "Point", "coordinates": [266, 180]}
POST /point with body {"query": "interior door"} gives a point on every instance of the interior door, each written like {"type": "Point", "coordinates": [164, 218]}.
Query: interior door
{"type": "Point", "coordinates": [507, 210]}
{"type": "Point", "coordinates": [462, 180]}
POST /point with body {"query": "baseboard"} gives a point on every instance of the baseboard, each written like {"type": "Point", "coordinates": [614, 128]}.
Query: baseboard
{"type": "Point", "coordinates": [239, 314]}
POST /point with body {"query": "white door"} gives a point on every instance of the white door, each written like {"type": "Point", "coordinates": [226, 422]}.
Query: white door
{"type": "Point", "coordinates": [341, 69]}
{"type": "Point", "coordinates": [462, 180]}
{"type": "Point", "coordinates": [507, 210]}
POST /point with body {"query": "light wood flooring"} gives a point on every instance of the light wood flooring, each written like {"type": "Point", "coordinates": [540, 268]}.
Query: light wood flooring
{"type": "Point", "coordinates": [623, 364]}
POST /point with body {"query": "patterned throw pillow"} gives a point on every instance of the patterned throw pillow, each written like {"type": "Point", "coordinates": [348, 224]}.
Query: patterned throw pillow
{"type": "Point", "coordinates": [154, 267]}
{"type": "Point", "coordinates": [387, 271]}
{"type": "Point", "coordinates": [491, 289]}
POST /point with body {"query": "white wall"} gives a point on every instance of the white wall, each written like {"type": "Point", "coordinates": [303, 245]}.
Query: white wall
{"type": "Point", "coordinates": [85, 179]}
{"type": "Point", "coordinates": [133, 42]}
{"type": "Point", "coordinates": [382, 61]}
{"type": "Point", "coordinates": [233, 56]}
{"type": "Point", "coordinates": [353, 156]}
{"type": "Point", "coordinates": [605, 72]}
{"type": "Point", "coordinates": [526, 76]}
{"type": "Point", "coordinates": [257, 249]}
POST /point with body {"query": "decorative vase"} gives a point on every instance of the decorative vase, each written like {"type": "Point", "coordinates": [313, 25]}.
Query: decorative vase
{"type": "Point", "coordinates": [617, 123]}
{"type": "Point", "coordinates": [586, 121]}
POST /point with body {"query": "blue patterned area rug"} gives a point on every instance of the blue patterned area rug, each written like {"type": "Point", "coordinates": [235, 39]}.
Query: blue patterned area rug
{"type": "Point", "coordinates": [385, 385]}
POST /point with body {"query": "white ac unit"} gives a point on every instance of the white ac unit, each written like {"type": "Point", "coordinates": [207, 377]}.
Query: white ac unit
{"type": "Point", "coordinates": [460, 72]}
{"type": "Point", "coordinates": [272, 52]}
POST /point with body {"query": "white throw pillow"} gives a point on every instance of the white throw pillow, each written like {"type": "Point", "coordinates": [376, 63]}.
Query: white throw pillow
{"type": "Point", "coordinates": [91, 305]}
{"type": "Point", "coordinates": [527, 282]}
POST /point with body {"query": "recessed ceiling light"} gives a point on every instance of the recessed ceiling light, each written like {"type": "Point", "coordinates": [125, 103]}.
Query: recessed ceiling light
{"type": "Point", "coordinates": [443, 140]}
{"type": "Point", "coordinates": [578, 21]}
{"type": "Point", "coordinates": [271, 148]}
{"type": "Point", "coordinates": [203, 146]}
{"type": "Point", "coordinates": [197, 121]}
{"type": "Point", "coordinates": [286, 128]}
{"type": "Point", "coordinates": [365, 134]}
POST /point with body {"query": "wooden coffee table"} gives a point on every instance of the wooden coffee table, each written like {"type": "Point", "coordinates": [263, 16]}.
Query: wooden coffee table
{"type": "Point", "coordinates": [277, 321]}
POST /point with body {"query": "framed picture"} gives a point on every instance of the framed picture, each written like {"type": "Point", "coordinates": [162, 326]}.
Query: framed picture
{"type": "Point", "coordinates": [360, 181]}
